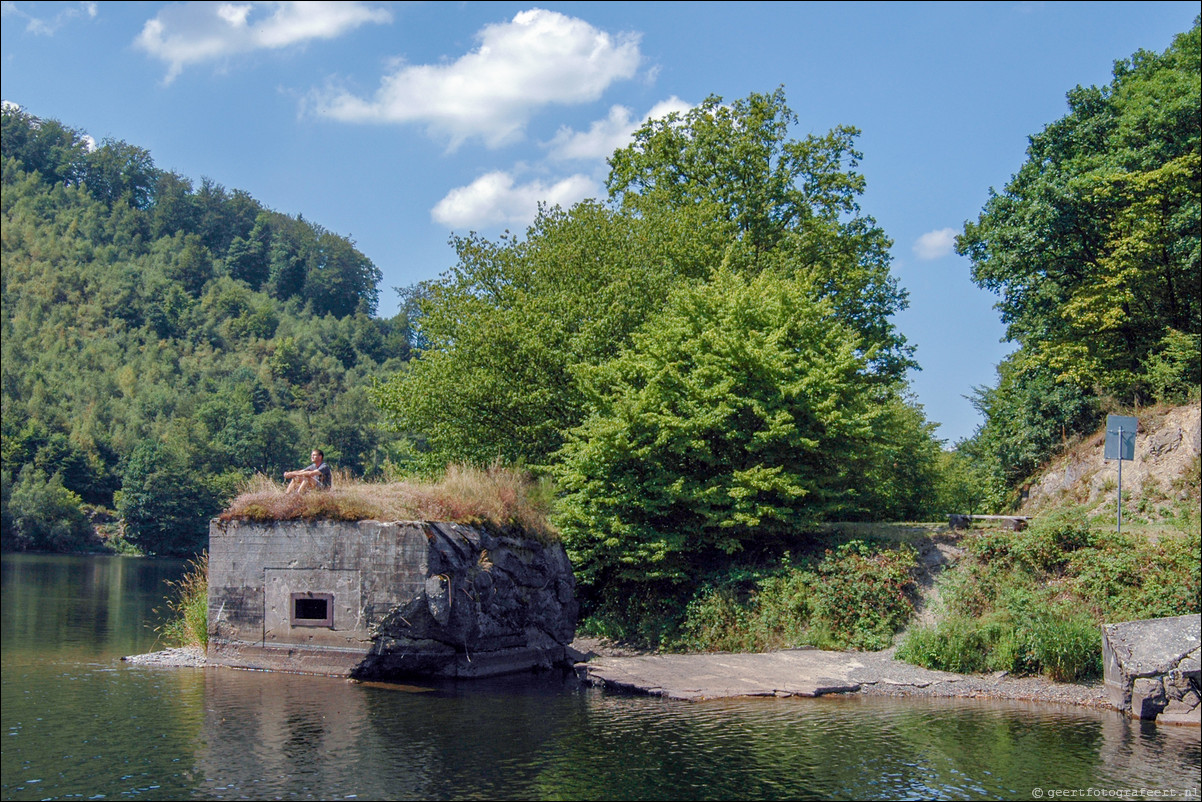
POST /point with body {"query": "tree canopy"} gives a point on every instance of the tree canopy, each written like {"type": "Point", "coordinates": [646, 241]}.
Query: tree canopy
{"type": "Point", "coordinates": [723, 185]}
{"type": "Point", "coordinates": [1094, 250]}
{"type": "Point", "coordinates": [740, 414]}
{"type": "Point", "coordinates": [792, 204]}
{"type": "Point", "coordinates": [704, 362]}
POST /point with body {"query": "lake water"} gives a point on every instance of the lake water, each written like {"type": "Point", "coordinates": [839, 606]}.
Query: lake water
{"type": "Point", "coordinates": [80, 724]}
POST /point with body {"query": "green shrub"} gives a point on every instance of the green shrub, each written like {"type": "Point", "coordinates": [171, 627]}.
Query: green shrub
{"type": "Point", "coordinates": [956, 644]}
{"type": "Point", "coordinates": [856, 596]}
{"type": "Point", "coordinates": [1125, 577]}
{"type": "Point", "coordinates": [1174, 369]}
{"type": "Point", "coordinates": [784, 606]}
{"type": "Point", "coordinates": [44, 515]}
{"type": "Point", "coordinates": [715, 620]}
{"type": "Point", "coordinates": [989, 545]}
{"type": "Point", "coordinates": [1033, 602]}
{"type": "Point", "coordinates": [863, 597]}
{"type": "Point", "coordinates": [1063, 645]}
{"type": "Point", "coordinates": [1046, 544]}
{"type": "Point", "coordinates": [189, 607]}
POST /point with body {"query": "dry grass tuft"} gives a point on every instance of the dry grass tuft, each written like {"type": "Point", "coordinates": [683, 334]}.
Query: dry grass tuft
{"type": "Point", "coordinates": [500, 496]}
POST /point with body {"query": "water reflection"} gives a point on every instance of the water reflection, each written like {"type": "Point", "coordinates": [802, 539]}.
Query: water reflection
{"type": "Point", "coordinates": [77, 721]}
{"type": "Point", "coordinates": [311, 737]}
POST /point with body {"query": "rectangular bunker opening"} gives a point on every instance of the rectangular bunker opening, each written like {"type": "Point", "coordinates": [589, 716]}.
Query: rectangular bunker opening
{"type": "Point", "coordinates": [312, 610]}
{"type": "Point", "coordinates": [315, 606]}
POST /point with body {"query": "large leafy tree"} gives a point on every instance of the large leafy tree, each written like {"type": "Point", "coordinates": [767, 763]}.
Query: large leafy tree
{"type": "Point", "coordinates": [793, 204]}
{"type": "Point", "coordinates": [1093, 246]}
{"type": "Point", "coordinates": [501, 332]}
{"type": "Point", "coordinates": [722, 185]}
{"type": "Point", "coordinates": [738, 414]}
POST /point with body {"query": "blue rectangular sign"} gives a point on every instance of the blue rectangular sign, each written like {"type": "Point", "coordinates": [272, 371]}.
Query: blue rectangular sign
{"type": "Point", "coordinates": [1123, 447]}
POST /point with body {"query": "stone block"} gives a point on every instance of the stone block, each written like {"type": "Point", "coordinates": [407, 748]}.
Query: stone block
{"type": "Point", "coordinates": [1180, 713]}
{"type": "Point", "coordinates": [1151, 667]}
{"type": "Point", "coordinates": [1147, 697]}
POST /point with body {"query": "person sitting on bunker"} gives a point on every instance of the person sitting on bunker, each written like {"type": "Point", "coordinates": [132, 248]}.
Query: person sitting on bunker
{"type": "Point", "coordinates": [316, 477]}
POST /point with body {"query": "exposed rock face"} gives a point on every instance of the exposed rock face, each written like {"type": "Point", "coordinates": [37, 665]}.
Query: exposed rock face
{"type": "Point", "coordinates": [373, 599]}
{"type": "Point", "coordinates": [490, 604]}
{"type": "Point", "coordinates": [1153, 668]}
{"type": "Point", "coordinates": [1166, 445]}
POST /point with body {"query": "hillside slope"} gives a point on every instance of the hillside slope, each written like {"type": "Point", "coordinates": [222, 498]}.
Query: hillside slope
{"type": "Point", "coordinates": [1164, 472]}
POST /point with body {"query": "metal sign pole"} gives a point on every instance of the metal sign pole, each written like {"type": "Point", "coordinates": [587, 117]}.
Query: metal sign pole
{"type": "Point", "coordinates": [1120, 524]}
{"type": "Point", "coordinates": [1120, 447]}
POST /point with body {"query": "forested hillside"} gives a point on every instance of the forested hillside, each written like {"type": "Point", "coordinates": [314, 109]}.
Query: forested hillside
{"type": "Point", "coordinates": [1094, 250]}
{"type": "Point", "coordinates": [163, 341]}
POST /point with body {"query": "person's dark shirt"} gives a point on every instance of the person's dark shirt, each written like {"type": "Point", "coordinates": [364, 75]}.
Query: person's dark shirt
{"type": "Point", "coordinates": [325, 476]}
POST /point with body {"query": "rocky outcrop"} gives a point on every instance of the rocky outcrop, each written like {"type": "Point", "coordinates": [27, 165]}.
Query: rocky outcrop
{"type": "Point", "coordinates": [1167, 444]}
{"type": "Point", "coordinates": [1153, 668]}
{"type": "Point", "coordinates": [489, 604]}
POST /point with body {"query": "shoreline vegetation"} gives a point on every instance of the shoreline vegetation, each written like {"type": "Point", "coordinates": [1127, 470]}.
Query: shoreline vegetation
{"type": "Point", "coordinates": [987, 604]}
{"type": "Point", "coordinates": [707, 362]}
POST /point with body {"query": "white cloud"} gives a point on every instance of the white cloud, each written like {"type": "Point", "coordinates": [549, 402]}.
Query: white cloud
{"type": "Point", "coordinates": [605, 136]}
{"type": "Point", "coordinates": [935, 244]}
{"type": "Point", "coordinates": [190, 33]}
{"type": "Point", "coordinates": [495, 199]}
{"type": "Point", "coordinates": [48, 26]}
{"type": "Point", "coordinates": [538, 58]}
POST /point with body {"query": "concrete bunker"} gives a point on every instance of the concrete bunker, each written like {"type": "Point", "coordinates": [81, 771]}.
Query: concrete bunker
{"type": "Point", "coordinates": [376, 600]}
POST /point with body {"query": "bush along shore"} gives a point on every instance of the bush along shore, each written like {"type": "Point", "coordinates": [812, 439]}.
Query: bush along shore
{"type": "Point", "coordinates": [1032, 602]}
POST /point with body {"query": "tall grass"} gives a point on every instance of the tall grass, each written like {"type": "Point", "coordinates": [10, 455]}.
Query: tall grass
{"type": "Point", "coordinates": [189, 607]}
{"type": "Point", "coordinates": [504, 497]}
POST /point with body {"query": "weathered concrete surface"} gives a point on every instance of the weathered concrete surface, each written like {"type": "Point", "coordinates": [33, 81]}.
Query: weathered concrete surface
{"type": "Point", "coordinates": [1153, 668]}
{"type": "Point", "coordinates": [795, 672]}
{"type": "Point", "coordinates": [375, 599]}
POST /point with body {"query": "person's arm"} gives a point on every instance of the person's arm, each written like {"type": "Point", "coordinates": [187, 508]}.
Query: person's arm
{"type": "Point", "coordinates": [302, 472]}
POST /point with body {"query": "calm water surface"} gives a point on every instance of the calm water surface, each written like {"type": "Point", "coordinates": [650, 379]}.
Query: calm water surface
{"type": "Point", "coordinates": [80, 724]}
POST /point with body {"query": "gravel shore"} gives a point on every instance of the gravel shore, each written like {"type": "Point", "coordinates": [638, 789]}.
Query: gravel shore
{"type": "Point", "coordinates": [178, 657]}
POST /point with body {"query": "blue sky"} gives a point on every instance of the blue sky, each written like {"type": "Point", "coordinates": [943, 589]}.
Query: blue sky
{"type": "Point", "coordinates": [398, 124]}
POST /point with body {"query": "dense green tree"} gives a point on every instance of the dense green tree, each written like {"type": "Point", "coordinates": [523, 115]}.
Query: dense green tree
{"type": "Point", "coordinates": [741, 414]}
{"type": "Point", "coordinates": [723, 185]}
{"type": "Point", "coordinates": [793, 204]}
{"type": "Point", "coordinates": [166, 505]}
{"type": "Point", "coordinates": [118, 171]}
{"type": "Point", "coordinates": [1094, 249]}
{"type": "Point", "coordinates": [1094, 244]}
{"type": "Point", "coordinates": [340, 280]}
{"type": "Point", "coordinates": [502, 331]}
{"type": "Point", "coordinates": [1027, 415]}
{"type": "Point", "coordinates": [42, 514]}
{"type": "Point", "coordinates": [44, 146]}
